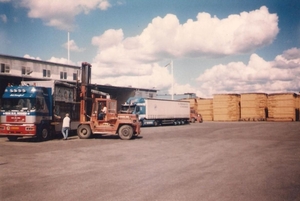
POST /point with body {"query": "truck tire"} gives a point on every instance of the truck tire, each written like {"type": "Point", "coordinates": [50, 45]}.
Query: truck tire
{"type": "Point", "coordinates": [125, 132]}
{"type": "Point", "coordinates": [84, 131]}
{"type": "Point", "coordinates": [12, 138]}
{"type": "Point", "coordinates": [44, 134]}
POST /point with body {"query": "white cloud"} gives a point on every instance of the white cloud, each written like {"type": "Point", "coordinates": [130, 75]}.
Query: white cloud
{"type": "Point", "coordinates": [27, 56]}
{"type": "Point", "coordinates": [256, 76]}
{"type": "Point", "coordinates": [109, 39]}
{"type": "Point", "coordinates": [3, 18]}
{"type": "Point", "coordinates": [73, 47]}
{"type": "Point", "coordinates": [61, 14]}
{"type": "Point", "coordinates": [119, 59]}
{"type": "Point", "coordinates": [61, 61]}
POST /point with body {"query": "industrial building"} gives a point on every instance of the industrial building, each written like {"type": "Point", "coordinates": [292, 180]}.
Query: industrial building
{"type": "Point", "coordinates": [16, 69]}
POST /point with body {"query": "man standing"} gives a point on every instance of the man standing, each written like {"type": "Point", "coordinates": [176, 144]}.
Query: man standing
{"type": "Point", "coordinates": [66, 126]}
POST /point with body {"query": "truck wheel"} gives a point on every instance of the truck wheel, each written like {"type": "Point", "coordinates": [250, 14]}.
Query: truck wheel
{"type": "Point", "coordinates": [84, 131]}
{"type": "Point", "coordinates": [125, 132]}
{"type": "Point", "coordinates": [12, 138]}
{"type": "Point", "coordinates": [44, 135]}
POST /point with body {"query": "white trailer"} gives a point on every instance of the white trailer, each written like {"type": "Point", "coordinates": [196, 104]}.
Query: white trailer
{"type": "Point", "coordinates": [158, 112]}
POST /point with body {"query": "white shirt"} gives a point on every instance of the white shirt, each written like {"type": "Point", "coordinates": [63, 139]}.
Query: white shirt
{"type": "Point", "coordinates": [66, 122]}
{"type": "Point", "coordinates": [104, 110]}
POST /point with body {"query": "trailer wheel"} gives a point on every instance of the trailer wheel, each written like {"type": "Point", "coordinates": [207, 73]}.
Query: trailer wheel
{"type": "Point", "coordinates": [12, 138]}
{"type": "Point", "coordinates": [84, 131]}
{"type": "Point", "coordinates": [125, 132]}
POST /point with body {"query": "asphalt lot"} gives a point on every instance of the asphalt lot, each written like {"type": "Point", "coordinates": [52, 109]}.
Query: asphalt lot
{"type": "Point", "coordinates": [208, 161]}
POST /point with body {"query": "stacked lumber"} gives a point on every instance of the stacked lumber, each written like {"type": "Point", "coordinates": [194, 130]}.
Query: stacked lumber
{"type": "Point", "coordinates": [282, 107]}
{"type": "Point", "coordinates": [254, 106]}
{"type": "Point", "coordinates": [226, 107]}
{"type": "Point", "coordinates": [205, 108]}
{"type": "Point", "coordinates": [193, 103]}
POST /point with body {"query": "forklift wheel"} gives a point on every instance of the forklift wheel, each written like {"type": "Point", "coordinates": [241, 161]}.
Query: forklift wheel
{"type": "Point", "coordinates": [84, 131]}
{"type": "Point", "coordinates": [126, 132]}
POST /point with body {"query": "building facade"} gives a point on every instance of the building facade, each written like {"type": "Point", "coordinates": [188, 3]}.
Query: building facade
{"type": "Point", "coordinates": [13, 70]}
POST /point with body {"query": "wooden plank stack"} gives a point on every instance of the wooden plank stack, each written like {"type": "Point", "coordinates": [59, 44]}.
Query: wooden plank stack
{"type": "Point", "coordinates": [193, 103]}
{"type": "Point", "coordinates": [205, 108]}
{"type": "Point", "coordinates": [282, 107]}
{"type": "Point", "coordinates": [226, 107]}
{"type": "Point", "coordinates": [254, 106]}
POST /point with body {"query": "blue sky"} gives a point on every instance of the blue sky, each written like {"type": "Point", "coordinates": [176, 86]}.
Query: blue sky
{"type": "Point", "coordinates": [229, 46]}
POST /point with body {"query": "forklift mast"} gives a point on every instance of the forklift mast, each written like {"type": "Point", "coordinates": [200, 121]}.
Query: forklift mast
{"type": "Point", "coordinates": [85, 82]}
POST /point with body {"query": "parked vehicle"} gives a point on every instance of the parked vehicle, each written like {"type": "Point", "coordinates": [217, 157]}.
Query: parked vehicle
{"type": "Point", "coordinates": [157, 111]}
{"type": "Point", "coordinates": [36, 109]}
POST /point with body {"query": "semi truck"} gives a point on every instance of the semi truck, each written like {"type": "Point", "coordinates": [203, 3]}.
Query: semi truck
{"type": "Point", "coordinates": [36, 109]}
{"type": "Point", "coordinates": [157, 111]}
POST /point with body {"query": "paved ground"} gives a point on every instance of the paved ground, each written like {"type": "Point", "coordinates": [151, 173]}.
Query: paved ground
{"type": "Point", "coordinates": [208, 161]}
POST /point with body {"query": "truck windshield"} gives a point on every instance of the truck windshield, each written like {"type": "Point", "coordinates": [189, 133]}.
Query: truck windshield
{"type": "Point", "coordinates": [9, 104]}
{"type": "Point", "coordinates": [129, 109]}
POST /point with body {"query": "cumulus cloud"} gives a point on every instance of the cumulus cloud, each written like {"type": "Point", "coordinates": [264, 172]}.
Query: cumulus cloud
{"type": "Point", "coordinates": [256, 76]}
{"type": "Point", "coordinates": [166, 38]}
{"type": "Point", "coordinates": [61, 61]}
{"type": "Point", "coordinates": [27, 56]}
{"type": "Point", "coordinates": [206, 36]}
{"type": "Point", "coordinates": [73, 47]}
{"type": "Point", "coordinates": [61, 14]}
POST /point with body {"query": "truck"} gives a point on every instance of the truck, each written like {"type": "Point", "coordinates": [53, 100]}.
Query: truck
{"type": "Point", "coordinates": [158, 111]}
{"type": "Point", "coordinates": [92, 118]}
{"type": "Point", "coordinates": [35, 109]}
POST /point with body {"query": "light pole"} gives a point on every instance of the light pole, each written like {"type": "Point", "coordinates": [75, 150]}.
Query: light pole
{"type": "Point", "coordinates": [172, 73]}
{"type": "Point", "coordinates": [68, 47]}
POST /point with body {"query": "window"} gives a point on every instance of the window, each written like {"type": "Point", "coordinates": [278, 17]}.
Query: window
{"type": "Point", "coordinates": [75, 76]}
{"type": "Point", "coordinates": [46, 73]}
{"type": "Point", "coordinates": [63, 75]}
{"type": "Point", "coordinates": [4, 68]}
{"type": "Point", "coordinates": [23, 70]}
{"type": "Point", "coordinates": [26, 71]}
{"type": "Point", "coordinates": [7, 69]}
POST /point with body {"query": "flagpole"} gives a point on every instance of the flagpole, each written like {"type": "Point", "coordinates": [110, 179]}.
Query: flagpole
{"type": "Point", "coordinates": [172, 80]}
{"type": "Point", "coordinates": [68, 47]}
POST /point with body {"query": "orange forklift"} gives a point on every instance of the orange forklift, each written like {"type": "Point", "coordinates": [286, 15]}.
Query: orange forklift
{"type": "Point", "coordinates": [95, 120]}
